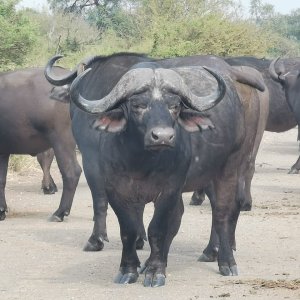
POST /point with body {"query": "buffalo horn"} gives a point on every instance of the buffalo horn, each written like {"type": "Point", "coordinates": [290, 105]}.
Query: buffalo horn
{"type": "Point", "coordinates": [58, 80]}
{"type": "Point", "coordinates": [279, 77]}
{"type": "Point", "coordinates": [136, 81]}
{"type": "Point", "coordinates": [174, 83]}
{"type": "Point", "coordinates": [132, 82]}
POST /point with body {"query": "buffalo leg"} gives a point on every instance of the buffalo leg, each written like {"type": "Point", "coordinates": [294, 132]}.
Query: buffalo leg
{"type": "Point", "coordinates": [70, 170]}
{"type": "Point", "coordinates": [295, 167]}
{"type": "Point", "coordinates": [99, 234]}
{"type": "Point", "coordinates": [45, 160]}
{"type": "Point", "coordinates": [210, 253]}
{"type": "Point", "coordinates": [129, 233]}
{"type": "Point", "coordinates": [162, 229]}
{"type": "Point", "coordinates": [3, 174]}
{"type": "Point", "coordinates": [225, 215]}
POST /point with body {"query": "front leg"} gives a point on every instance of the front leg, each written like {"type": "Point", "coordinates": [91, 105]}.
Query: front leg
{"type": "Point", "coordinates": [162, 229]}
{"type": "Point", "coordinates": [3, 173]}
{"type": "Point", "coordinates": [129, 229]}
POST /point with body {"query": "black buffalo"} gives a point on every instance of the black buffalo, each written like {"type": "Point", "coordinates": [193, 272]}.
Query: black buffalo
{"type": "Point", "coordinates": [287, 73]}
{"type": "Point", "coordinates": [283, 116]}
{"type": "Point", "coordinates": [31, 123]}
{"type": "Point", "coordinates": [160, 133]}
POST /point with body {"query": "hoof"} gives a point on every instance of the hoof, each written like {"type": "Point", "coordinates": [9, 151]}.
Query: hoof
{"type": "Point", "coordinates": [197, 199]}
{"type": "Point", "coordinates": [93, 246]}
{"type": "Point", "coordinates": [55, 218]}
{"type": "Point", "coordinates": [246, 207]}
{"type": "Point", "coordinates": [126, 278]}
{"type": "Point", "coordinates": [154, 280]}
{"type": "Point", "coordinates": [139, 244]}
{"type": "Point", "coordinates": [293, 171]}
{"type": "Point", "coordinates": [2, 215]}
{"type": "Point", "coordinates": [50, 190]}
{"type": "Point", "coordinates": [228, 270]}
{"type": "Point", "coordinates": [207, 258]}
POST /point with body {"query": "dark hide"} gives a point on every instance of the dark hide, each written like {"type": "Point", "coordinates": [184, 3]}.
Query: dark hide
{"type": "Point", "coordinates": [31, 123]}
{"type": "Point", "coordinates": [120, 166]}
{"type": "Point", "coordinates": [288, 72]}
{"type": "Point", "coordinates": [282, 117]}
{"type": "Point", "coordinates": [283, 114]}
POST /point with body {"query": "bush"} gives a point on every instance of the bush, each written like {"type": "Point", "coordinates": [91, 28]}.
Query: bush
{"type": "Point", "coordinates": [17, 35]}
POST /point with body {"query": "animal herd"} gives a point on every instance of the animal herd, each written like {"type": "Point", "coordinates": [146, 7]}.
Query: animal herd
{"type": "Point", "coordinates": [148, 131]}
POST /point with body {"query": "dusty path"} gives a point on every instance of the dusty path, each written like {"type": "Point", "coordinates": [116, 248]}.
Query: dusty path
{"type": "Point", "coordinates": [42, 260]}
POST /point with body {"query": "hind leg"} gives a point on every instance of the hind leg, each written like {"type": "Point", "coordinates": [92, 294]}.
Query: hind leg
{"type": "Point", "coordinates": [45, 160]}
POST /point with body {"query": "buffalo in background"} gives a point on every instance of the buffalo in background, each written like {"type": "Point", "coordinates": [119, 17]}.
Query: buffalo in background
{"type": "Point", "coordinates": [286, 72]}
{"type": "Point", "coordinates": [283, 114]}
{"type": "Point", "coordinates": [161, 133]}
{"type": "Point", "coordinates": [31, 123]}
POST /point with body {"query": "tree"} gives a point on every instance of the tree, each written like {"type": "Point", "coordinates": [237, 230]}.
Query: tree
{"type": "Point", "coordinates": [261, 12]}
{"type": "Point", "coordinates": [104, 14]}
{"type": "Point", "coordinates": [17, 35]}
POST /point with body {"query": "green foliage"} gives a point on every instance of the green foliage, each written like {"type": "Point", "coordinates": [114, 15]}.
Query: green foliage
{"type": "Point", "coordinates": [17, 35]}
{"type": "Point", "coordinates": [161, 28]}
{"type": "Point", "coordinates": [201, 27]}
{"type": "Point", "coordinates": [209, 34]}
{"type": "Point", "coordinates": [60, 33]}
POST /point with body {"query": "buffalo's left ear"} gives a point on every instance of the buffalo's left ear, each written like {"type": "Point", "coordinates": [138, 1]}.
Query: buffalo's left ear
{"type": "Point", "coordinates": [193, 121]}
{"type": "Point", "coordinates": [112, 121]}
{"type": "Point", "coordinates": [60, 93]}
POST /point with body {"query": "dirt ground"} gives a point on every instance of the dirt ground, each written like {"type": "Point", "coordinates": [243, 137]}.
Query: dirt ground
{"type": "Point", "coordinates": [43, 260]}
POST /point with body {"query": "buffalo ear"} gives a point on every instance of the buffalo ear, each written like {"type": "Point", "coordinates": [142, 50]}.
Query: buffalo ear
{"type": "Point", "coordinates": [60, 93]}
{"type": "Point", "coordinates": [193, 121]}
{"type": "Point", "coordinates": [113, 121]}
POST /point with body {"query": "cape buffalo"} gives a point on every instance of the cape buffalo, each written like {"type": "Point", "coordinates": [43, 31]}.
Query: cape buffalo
{"type": "Point", "coordinates": [31, 123]}
{"type": "Point", "coordinates": [156, 128]}
{"type": "Point", "coordinates": [287, 73]}
{"type": "Point", "coordinates": [282, 117]}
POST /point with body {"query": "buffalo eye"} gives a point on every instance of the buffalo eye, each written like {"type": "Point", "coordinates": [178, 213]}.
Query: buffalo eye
{"type": "Point", "coordinates": [137, 107]}
{"type": "Point", "coordinates": [175, 109]}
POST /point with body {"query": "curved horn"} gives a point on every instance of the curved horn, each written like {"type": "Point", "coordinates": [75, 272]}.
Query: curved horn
{"type": "Point", "coordinates": [274, 75]}
{"type": "Point", "coordinates": [55, 80]}
{"type": "Point", "coordinates": [176, 85]}
{"type": "Point", "coordinates": [139, 80]}
{"type": "Point", "coordinates": [133, 82]}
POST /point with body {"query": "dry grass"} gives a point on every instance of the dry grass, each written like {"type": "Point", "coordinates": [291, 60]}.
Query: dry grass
{"type": "Point", "coordinates": [22, 163]}
{"type": "Point", "coordinates": [272, 284]}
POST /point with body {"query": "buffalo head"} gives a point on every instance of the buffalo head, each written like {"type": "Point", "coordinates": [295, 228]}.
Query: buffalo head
{"type": "Point", "coordinates": [152, 100]}
{"type": "Point", "coordinates": [290, 81]}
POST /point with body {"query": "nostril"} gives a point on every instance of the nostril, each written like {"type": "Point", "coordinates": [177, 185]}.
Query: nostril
{"type": "Point", "coordinates": [154, 136]}
{"type": "Point", "coordinates": [171, 137]}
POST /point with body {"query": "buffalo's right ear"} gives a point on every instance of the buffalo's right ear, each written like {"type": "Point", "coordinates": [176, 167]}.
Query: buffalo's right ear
{"type": "Point", "coordinates": [112, 121]}
{"type": "Point", "coordinates": [193, 121]}
{"type": "Point", "coordinates": [61, 93]}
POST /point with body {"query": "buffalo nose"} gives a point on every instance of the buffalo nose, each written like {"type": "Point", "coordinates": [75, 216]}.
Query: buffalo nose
{"type": "Point", "coordinates": [163, 136]}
